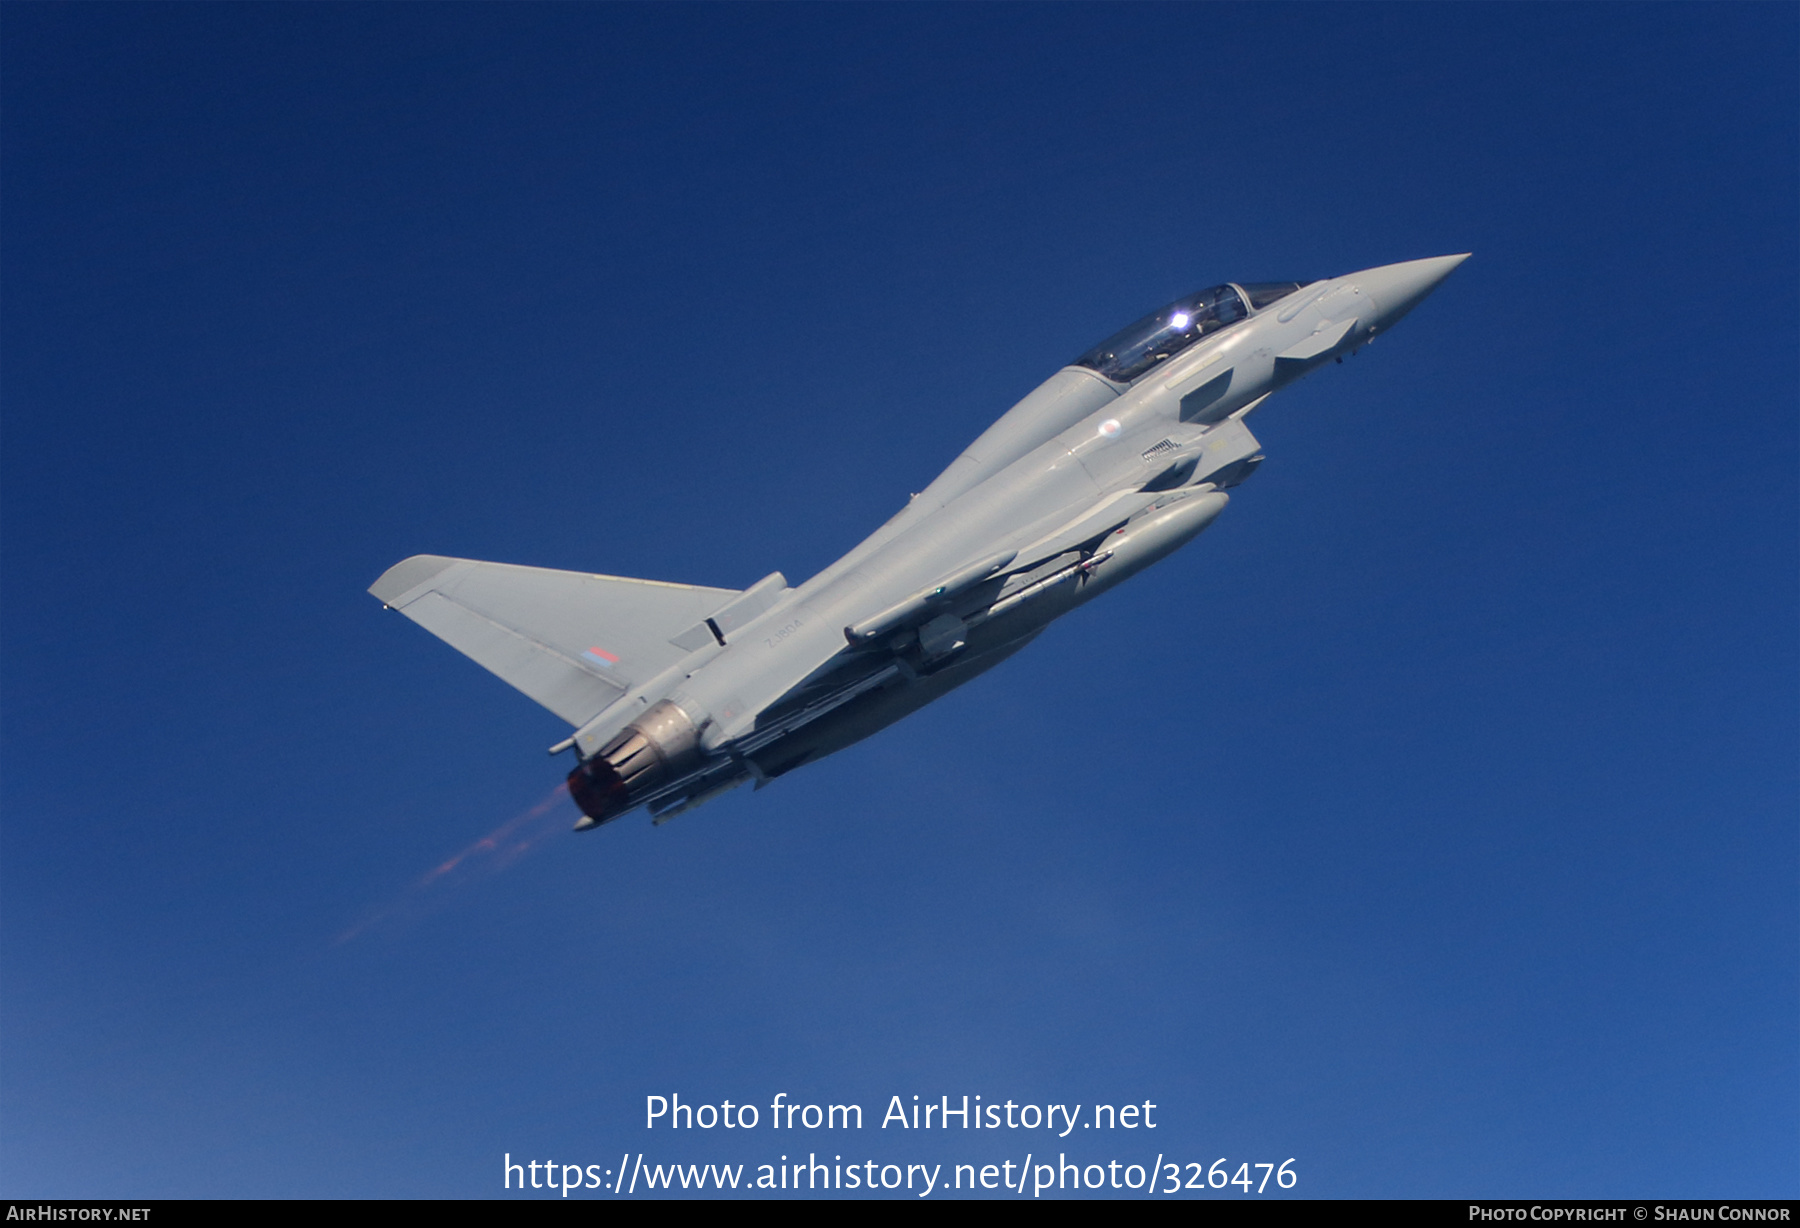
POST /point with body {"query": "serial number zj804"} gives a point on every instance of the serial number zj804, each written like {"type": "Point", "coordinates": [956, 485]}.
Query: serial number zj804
{"type": "Point", "coordinates": [775, 637]}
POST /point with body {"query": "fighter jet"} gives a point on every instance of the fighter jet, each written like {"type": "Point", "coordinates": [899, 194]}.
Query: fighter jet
{"type": "Point", "coordinates": [678, 693]}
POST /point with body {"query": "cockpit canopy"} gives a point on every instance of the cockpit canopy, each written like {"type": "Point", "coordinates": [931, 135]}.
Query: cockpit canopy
{"type": "Point", "coordinates": [1163, 334]}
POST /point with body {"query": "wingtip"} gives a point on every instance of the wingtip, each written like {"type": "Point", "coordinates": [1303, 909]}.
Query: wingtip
{"type": "Point", "coordinates": [394, 584]}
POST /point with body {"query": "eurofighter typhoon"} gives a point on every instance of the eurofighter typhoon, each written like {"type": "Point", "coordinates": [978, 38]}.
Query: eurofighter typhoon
{"type": "Point", "coordinates": [678, 693]}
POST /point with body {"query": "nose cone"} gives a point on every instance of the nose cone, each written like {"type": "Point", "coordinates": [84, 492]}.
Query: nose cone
{"type": "Point", "coordinates": [1398, 288]}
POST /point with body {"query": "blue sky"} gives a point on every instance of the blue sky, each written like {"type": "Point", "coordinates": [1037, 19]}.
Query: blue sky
{"type": "Point", "coordinates": [1432, 820]}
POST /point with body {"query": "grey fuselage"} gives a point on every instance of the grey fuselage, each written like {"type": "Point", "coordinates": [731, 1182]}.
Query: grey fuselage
{"type": "Point", "coordinates": [1100, 471]}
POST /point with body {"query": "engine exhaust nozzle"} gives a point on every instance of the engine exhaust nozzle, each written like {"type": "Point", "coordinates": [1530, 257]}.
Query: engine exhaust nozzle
{"type": "Point", "coordinates": [650, 751]}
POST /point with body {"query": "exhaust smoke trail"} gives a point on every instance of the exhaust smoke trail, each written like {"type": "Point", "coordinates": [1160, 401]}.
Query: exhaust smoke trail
{"type": "Point", "coordinates": [489, 855]}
